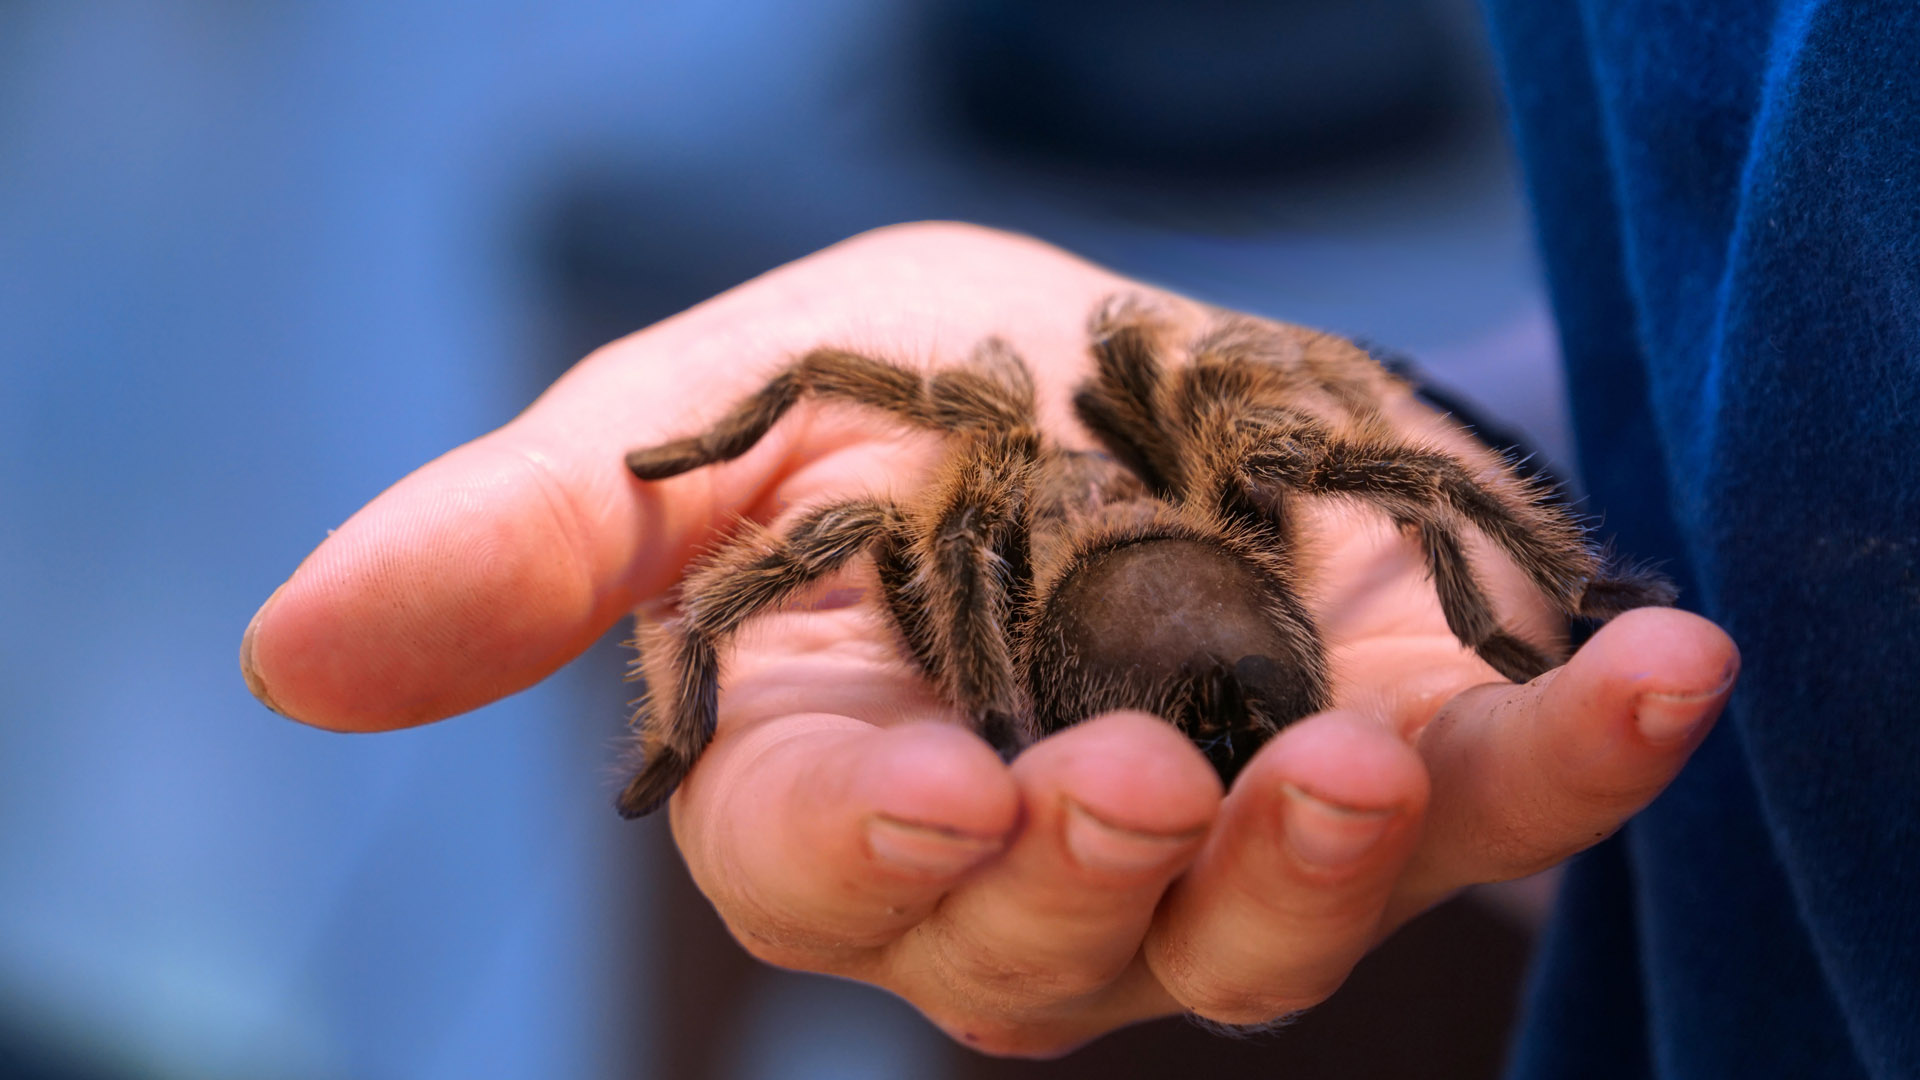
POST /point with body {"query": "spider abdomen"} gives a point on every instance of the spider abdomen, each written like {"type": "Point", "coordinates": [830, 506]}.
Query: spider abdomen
{"type": "Point", "coordinates": [1185, 627]}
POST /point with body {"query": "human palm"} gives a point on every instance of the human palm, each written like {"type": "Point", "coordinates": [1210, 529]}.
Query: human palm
{"type": "Point", "coordinates": [845, 821]}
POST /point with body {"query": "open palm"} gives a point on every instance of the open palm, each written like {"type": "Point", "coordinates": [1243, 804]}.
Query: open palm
{"type": "Point", "coordinates": [843, 821]}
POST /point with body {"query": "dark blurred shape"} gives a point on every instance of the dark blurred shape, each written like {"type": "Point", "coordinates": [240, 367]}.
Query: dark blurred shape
{"type": "Point", "coordinates": [1200, 89]}
{"type": "Point", "coordinates": [23, 1057]}
{"type": "Point", "coordinates": [1438, 999]}
{"type": "Point", "coordinates": [623, 253]}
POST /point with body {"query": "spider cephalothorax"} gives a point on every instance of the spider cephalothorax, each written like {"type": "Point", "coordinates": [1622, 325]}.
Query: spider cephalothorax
{"type": "Point", "coordinates": [1037, 586]}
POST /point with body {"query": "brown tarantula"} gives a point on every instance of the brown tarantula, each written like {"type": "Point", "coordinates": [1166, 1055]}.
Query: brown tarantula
{"type": "Point", "coordinates": [1037, 586]}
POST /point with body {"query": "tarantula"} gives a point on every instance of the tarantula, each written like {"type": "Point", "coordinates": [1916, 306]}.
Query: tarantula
{"type": "Point", "coordinates": [1037, 586]}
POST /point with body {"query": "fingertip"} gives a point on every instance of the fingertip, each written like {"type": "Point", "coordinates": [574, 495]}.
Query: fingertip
{"type": "Point", "coordinates": [249, 669]}
{"type": "Point", "coordinates": [1113, 809]}
{"type": "Point", "coordinates": [1291, 887]}
{"type": "Point", "coordinates": [466, 582]}
{"type": "Point", "coordinates": [1666, 672]}
{"type": "Point", "coordinates": [1660, 650]}
{"type": "Point", "coordinates": [917, 800]}
{"type": "Point", "coordinates": [933, 775]}
{"type": "Point", "coordinates": [1128, 769]}
{"type": "Point", "coordinates": [822, 832]}
{"type": "Point", "coordinates": [1528, 775]}
{"type": "Point", "coordinates": [1341, 758]}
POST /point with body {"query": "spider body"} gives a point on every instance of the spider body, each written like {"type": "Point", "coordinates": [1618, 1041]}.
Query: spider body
{"type": "Point", "coordinates": [1037, 586]}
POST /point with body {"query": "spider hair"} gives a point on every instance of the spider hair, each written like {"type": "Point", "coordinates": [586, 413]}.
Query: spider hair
{"type": "Point", "coordinates": [1036, 586]}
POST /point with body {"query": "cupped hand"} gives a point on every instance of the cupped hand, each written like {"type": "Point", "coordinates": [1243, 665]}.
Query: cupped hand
{"type": "Point", "coordinates": [843, 822]}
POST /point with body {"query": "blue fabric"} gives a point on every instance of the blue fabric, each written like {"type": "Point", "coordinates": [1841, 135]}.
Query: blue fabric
{"type": "Point", "coordinates": [1728, 196]}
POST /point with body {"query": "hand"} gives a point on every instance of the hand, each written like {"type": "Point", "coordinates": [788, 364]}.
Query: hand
{"type": "Point", "coordinates": [841, 822]}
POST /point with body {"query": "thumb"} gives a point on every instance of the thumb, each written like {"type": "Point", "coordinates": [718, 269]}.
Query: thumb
{"type": "Point", "coordinates": [1524, 776]}
{"type": "Point", "coordinates": [487, 569]}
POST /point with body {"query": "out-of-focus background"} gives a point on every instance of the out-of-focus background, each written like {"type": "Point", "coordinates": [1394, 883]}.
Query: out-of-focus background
{"type": "Point", "coordinates": [258, 260]}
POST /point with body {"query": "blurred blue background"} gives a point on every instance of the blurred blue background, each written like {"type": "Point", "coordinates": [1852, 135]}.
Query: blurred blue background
{"type": "Point", "coordinates": [259, 260]}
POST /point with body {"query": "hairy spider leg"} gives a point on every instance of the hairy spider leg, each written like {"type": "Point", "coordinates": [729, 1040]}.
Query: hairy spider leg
{"type": "Point", "coordinates": [1430, 493]}
{"type": "Point", "coordinates": [1619, 587]}
{"type": "Point", "coordinates": [1187, 423]}
{"type": "Point", "coordinates": [1426, 492]}
{"type": "Point", "coordinates": [1118, 404]}
{"type": "Point", "coordinates": [1231, 411]}
{"type": "Point", "coordinates": [944, 590]}
{"type": "Point", "coordinates": [957, 586]}
{"type": "Point", "coordinates": [1431, 490]}
{"type": "Point", "coordinates": [996, 391]}
{"type": "Point", "coordinates": [1242, 359]}
{"type": "Point", "coordinates": [1293, 360]}
{"type": "Point", "coordinates": [753, 572]}
{"type": "Point", "coordinates": [1465, 604]}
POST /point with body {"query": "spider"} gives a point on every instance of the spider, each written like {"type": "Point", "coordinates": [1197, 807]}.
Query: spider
{"type": "Point", "coordinates": [1037, 586]}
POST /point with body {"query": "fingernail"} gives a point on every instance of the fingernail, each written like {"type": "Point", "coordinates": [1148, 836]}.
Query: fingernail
{"type": "Point", "coordinates": [926, 849]}
{"type": "Point", "coordinates": [1664, 719]}
{"type": "Point", "coordinates": [254, 682]}
{"type": "Point", "coordinates": [1328, 834]}
{"type": "Point", "coordinates": [1098, 844]}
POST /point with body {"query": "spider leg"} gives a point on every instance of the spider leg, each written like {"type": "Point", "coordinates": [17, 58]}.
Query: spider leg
{"type": "Point", "coordinates": [955, 589]}
{"type": "Point", "coordinates": [753, 573]}
{"type": "Point", "coordinates": [1294, 362]}
{"type": "Point", "coordinates": [1619, 587]}
{"type": "Point", "coordinates": [1118, 405]}
{"type": "Point", "coordinates": [1413, 482]}
{"type": "Point", "coordinates": [1542, 539]}
{"type": "Point", "coordinates": [1468, 612]}
{"type": "Point", "coordinates": [996, 391]}
{"type": "Point", "coordinates": [1431, 493]}
{"type": "Point", "coordinates": [1464, 603]}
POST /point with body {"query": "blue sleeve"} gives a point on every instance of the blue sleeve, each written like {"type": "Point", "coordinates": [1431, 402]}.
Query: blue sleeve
{"type": "Point", "coordinates": [1728, 199]}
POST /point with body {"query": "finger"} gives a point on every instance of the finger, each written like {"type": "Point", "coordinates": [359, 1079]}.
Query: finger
{"type": "Point", "coordinates": [467, 581]}
{"type": "Point", "coordinates": [1113, 810]}
{"type": "Point", "coordinates": [820, 838]}
{"type": "Point", "coordinates": [1525, 776]}
{"type": "Point", "coordinates": [485, 570]}
{"type": "Point", "coordinates": [1289, 892]}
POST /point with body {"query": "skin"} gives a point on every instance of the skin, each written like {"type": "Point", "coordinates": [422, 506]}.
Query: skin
{"type": "Point", "coordinates": [841, 823]}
